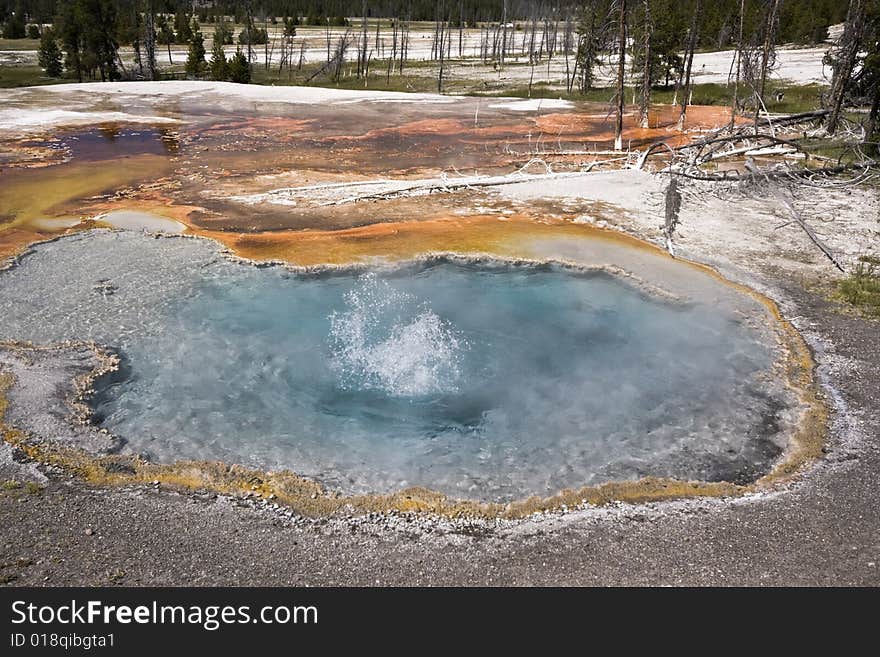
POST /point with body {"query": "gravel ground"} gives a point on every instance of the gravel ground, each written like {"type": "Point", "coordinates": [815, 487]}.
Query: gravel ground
{"type": "Point", "coordinates": [822, 530]}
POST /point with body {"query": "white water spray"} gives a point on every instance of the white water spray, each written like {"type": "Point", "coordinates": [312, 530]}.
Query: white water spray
{"type": "Point", "coordinates": [376, 344]}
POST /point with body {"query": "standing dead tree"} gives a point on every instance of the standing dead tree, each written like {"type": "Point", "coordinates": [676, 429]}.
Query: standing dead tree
{"type": "Point", "coordinates": [334, 63]}
{"type": "Point", "coordinates": [395, 27]}
{"type": "Point", "coordinates": [404, 42]}
{"type": "Point", "coordinates": [268, 44]}
{"type": "Point", "coordinates": [647, 74]}
{"type": "Point", "coordinates": [621, 72]}
{"type": "Point", "coordinates": [150, 41]}
{"type": "Point", "coordinates": [460, 28]}
{"type": "Point", "coordinates": [566, 49]}
{"type": "Point", "coordinates": [441, 39]}
{"type": "Point", "coordinates": [249, 26]}
{"type": "Point", "coordinates": [693, 39]}
{"type": "Point", "coordinates": [843, 59]}
{"type": "Point", "coordinates": [770, 26]}
{"type": "Point", "coordinates": [534, 55]}
{"type": "Point", "coordinates": [503, 33]}
{"type": "Point", "coordinates": [287, 45]}
{"type": "Point", "coordinates": [362, 50]}
{"type": "Point", "coordinates": [737, 63]}
{"type": "Point", "coordinates": [328, 39]}
{"type": "Point", "coordinates": [757, 59]}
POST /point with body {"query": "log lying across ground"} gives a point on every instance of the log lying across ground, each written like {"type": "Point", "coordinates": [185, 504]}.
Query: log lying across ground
{"type": "Point", "coordinates": [333, 194]}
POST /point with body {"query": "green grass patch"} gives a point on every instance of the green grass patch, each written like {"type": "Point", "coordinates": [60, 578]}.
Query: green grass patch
{"type": "Point", "coordinates": [19, 44]}
{"type": "Point", "coordinates": [413, 82]}
{"type": "Point", "coordinates": [795, 99]}
{"type": "Point", "coordinates": [26, 76]}
{"type": "Point", "coordinates": [32, 488]}
{"type": "Point", "coordinates": [834, 150]}
{"type": "Point", "coordinates": [862, 287]}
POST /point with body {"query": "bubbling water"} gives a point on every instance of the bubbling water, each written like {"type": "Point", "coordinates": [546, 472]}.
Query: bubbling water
{"type": "Point", "coordinates": [379, 343]}
{"type": "Point", "coordinates": [480, 379]}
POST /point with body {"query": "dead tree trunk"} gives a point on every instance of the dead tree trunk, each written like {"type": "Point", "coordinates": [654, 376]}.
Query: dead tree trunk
{"type": "Point", "coordinates": [404, 43]}
{"type": "Point", "coordinates": [327, 39]}
{"type": "Point", "coordinates": [362, 51]}
{"type": "Point", "coordinates": [503, 32]}
{"type": "Point", "coordinates": [394, 27]}
{"type": "Point", "coordinates": [769, 33]}
{"type": "Point", "coordinates": [689, 57]}
{"type": "Point", "coordinates": [645, 106]}
{"type": "Point", "coordinates": [566, 49]}
{"type": "Point", "coordinates": [738, 57]}
{"type": "Point", "coordinates": [150, 41]}
{"type": "Point", "coordinates": [873, 117]}
{"type": "Point", "coordinates": [460, 27]}
{"type": "Point", "coordinates": [621, 70]}
{"type": "Point", "coordinates": [846, 55]}
{"type": "Point", "coordinates": [673, 208]}
{"type": "Point", "coordinates": [441, 27]}
{"type": "Point", "coordinates": [249, 13]}
{"type": "Point", "coordinates": [786, 200]}
{"type": "Point", "coordinates": [267, 54]}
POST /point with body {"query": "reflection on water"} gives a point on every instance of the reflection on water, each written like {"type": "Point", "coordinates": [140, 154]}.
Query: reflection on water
{"type": "Point", "coordinates": [111, 141]}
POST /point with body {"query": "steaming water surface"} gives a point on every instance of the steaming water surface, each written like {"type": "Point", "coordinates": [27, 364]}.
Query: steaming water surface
{"type": "Point", "coordinates": [487, 381]}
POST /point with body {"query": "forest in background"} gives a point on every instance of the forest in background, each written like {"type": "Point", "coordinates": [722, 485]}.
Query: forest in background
{"type": "Point", "coordinates": [800, 21]}
{"type": "Point", "coordinates": [649, 43]}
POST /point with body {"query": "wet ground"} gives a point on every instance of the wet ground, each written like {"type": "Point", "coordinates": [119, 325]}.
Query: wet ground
{"type": "Point", "coordinates": [210, 149]}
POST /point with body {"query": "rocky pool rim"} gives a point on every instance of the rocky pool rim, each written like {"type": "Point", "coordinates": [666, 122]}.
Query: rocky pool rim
{"type": "Point", "coordinates": [307, 497]}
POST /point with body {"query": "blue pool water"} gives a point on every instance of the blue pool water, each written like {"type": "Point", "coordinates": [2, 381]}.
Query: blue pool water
{"type": "Point", "coordinates": [482, 380]}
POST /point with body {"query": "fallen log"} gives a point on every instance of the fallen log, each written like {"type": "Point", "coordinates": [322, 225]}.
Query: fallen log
{"type": "Point", "coordinates": [796, 216]}
{"type": "Point", "coordinates": [732, 175]}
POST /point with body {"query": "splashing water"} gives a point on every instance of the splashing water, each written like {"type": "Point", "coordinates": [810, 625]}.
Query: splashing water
{"type": "Point", "coordinates": [481, 380]}
{"type": "Point", "coordinates": [387, 341]}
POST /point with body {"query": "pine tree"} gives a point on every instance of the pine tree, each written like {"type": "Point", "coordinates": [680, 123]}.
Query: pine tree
{"type": "Point", "coordinates": [667, 40]}
{"type": "Point", "coordinates": [219, 65]}
{"type": "Point", "coordinates": [50, 54]}
{"type": "Point", "coordinates": [15, 26]}
{"type": "Point", "coordinates": [591, 29]}
{"type": "Point", "coordinates": [87, 30]}
{"type": "Point", "coordinates": [128, 33]}
{"type": "Point", "coordinates": [69, 29]}
{"type": "Point", "coordinates": [182, 27]}
{"type": "Point", "coordinates": [239, 69]}
{"type": "Point", "coordinates": [195, 60]}
{"type": "Point", "coordinates": [223, 32]}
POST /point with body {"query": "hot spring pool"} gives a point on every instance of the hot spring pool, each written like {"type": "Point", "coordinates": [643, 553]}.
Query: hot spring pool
{"type": "Point", "coordinates": [483, 380]}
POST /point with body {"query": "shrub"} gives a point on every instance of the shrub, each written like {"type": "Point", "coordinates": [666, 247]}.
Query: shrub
{"type": "Point", "coordinates": [862, 287]}
{"type": "Point", "coordinates": [239, 68]}
{"type": "Point", "coordinates": [14, 27]}
{"type": "Point", "coordinates": [49, 55]}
